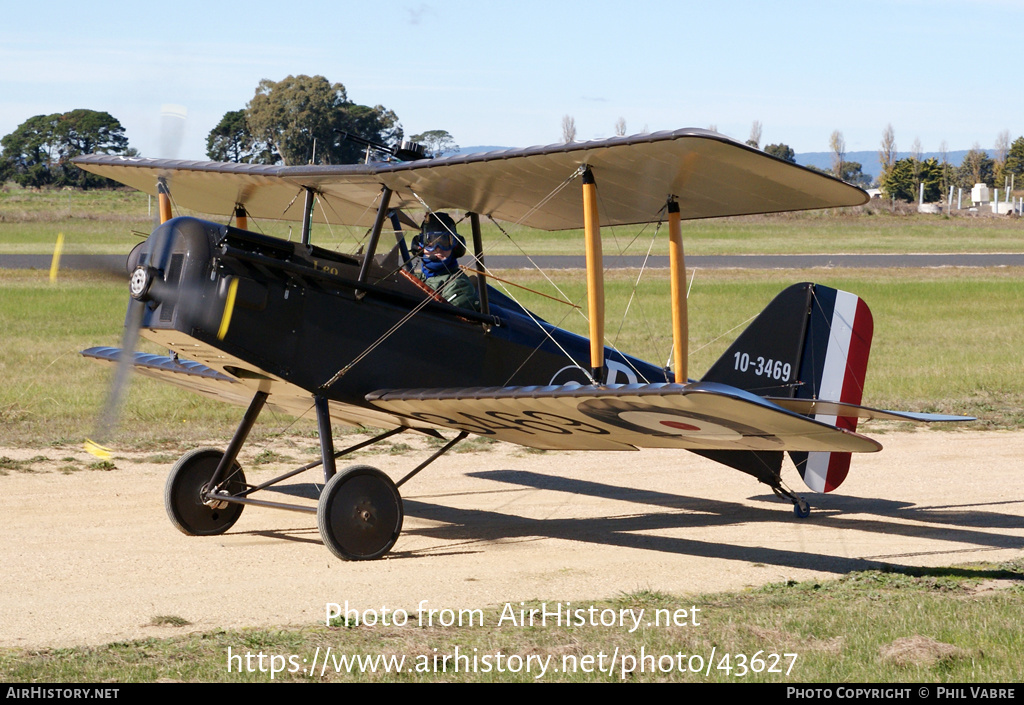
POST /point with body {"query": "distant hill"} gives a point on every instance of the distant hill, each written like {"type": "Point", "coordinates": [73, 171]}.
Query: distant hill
{"type": "Point", "coordinates": [822, 160]}
{"type": "Point", "coordinates": [869, 160]}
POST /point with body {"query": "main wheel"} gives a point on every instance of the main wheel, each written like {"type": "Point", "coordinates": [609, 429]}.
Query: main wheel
{"type": "Point", "coordinates": [360, 513]}
{"type": "Point", "coordinates": [183, 494]}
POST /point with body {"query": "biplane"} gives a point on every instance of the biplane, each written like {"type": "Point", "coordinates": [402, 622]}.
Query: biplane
{"type": "Point", "coordinates": [265, 322]}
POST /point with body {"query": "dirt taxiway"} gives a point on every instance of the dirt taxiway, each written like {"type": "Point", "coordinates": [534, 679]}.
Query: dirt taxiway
{"type": "Point", "coordinates": [90, 557]}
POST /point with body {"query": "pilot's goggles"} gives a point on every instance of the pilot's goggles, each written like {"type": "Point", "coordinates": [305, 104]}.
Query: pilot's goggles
{"type": "Point", "coordinates": [437, 240]}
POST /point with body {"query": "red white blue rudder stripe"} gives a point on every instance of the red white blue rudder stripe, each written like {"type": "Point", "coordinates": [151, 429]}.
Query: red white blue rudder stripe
{"type": "Point", "coordinates": [833, 366]}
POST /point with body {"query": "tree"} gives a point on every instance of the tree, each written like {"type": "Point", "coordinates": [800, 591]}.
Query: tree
{"type": "Point", "coordinates": [902, 180]}
{"type": "Point", "coordinates": [838, 146]}
{"type": "Point", "coordinates": [31, 150]}
{"type": "Point", "coordinates": [302, 120]}
{"type": "Point", "coordinates": [437, 142]}
{"type": "Point", "coordinates": [40, 150]}
{"type": "Point", "coordinates": [853, 174]}
{"type": "Point", "coordinates": [620, 127]}
{"type": "Point", "coordinates": [976, 168]}
{"type": "Point", "coordinates": [568, 129]}
{"type": "Point", "coordinates": [231, 140]}
{"type": "Point", "coordinates": [1015, 160]}
{"type": "Point", "coordinates": [915, 157]}
{"type": "Point", "coordinates": [1002, 151]}
{"type": "Point", "coordinates": [948, 172]}
{"type": "Point", "coordinates": [887, 154]}
{"type": "Point", "coordinates": [87, 132]}
{"type": "Point", "coordinates": [755, 135]}
{"type": "Point", "coordinates": [781, 151]}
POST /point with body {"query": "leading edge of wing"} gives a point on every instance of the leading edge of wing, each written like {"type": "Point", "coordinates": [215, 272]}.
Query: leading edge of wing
{"type": "Point", "coordinates": [710, 174]}
{"type": "Point", "coordinates": [699, 416]}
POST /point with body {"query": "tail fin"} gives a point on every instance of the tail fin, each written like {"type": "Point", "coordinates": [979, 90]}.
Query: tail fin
{"type": "Point", "coordinates": [810, 342]}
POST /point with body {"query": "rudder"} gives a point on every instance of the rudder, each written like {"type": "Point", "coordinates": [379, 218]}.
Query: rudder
{"type": "Point", "coordinates": [810, 342]}
{"type": "Point", "coordinates": [834, 366]}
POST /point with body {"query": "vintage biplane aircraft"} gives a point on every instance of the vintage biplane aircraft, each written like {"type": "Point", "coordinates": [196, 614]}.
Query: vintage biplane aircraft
{"type": "Point", "coordinates": [262, 321]}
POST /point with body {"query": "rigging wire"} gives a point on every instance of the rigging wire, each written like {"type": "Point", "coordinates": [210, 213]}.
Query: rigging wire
{"type": "Point", "coordinates": [508, 293]}
{"type": "Point", "coordinates": [324, 202]}
{"type": "Point", "coordinates": [531, 260]}
{"type": "Point", "coordinates": [632, 295]}
{"type": "Point", "coordinates": [377, 343]}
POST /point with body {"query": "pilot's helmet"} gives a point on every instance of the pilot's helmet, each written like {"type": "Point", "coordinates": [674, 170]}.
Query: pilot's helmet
{"type": "Point", "coordinates": [439, 236]}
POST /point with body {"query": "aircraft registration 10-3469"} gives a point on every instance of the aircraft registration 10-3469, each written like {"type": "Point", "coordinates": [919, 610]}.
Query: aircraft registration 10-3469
{"type": "Point", "coordinates": [260, 321]}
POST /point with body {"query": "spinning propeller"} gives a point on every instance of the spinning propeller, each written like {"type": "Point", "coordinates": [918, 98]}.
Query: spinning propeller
{"type": "Point", "coordinates": [146, 265]}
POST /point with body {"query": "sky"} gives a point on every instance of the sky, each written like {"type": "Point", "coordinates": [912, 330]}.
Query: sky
{"type": "Point", "coordinates": [505, 73]}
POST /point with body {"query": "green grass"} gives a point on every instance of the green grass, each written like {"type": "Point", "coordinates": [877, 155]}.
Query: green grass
{"type": "Point", "coordinates": [945, 625]}
{"type": "Point", "coordinates": [946, 340]}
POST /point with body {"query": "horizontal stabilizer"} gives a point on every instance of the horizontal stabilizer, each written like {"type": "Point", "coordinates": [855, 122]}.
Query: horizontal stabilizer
{"type": "Point", "coordinates": [699, 416]}
{"type": "Point", "coordinates": [835, 408]}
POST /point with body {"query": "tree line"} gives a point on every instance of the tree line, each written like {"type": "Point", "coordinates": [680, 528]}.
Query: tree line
{"type": "Point", "coordinates": [299, 120]}
{"type": "Point", "coordinates": [901, 179]}
{"type": "Point", "coordinates": [305, 120]}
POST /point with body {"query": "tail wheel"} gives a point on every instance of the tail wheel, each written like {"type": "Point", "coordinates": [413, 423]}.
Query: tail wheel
{"type": "Point", "coordinates": [360, 513]}
{"type": "Point", "coordinates": [183, 498]}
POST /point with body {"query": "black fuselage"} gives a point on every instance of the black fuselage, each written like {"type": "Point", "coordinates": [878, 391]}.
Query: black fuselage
{"type": "Point", "coordinates": [300, 313]}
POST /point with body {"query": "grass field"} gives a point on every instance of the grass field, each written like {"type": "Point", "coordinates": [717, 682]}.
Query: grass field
{"type": "Point", "coordinates": [875, 626]}
{"type": "Point", "coordinates": [945, 340]}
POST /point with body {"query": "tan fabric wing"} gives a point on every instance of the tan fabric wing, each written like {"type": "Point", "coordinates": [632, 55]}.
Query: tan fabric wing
{"type": "Point", "coordinates": [708, 173]}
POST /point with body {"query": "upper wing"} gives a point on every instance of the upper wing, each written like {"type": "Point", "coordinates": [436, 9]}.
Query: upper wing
{"type": "Point", "coordinates": [710, 175]}
{"type": "Point", "coordinates": [700, 416]}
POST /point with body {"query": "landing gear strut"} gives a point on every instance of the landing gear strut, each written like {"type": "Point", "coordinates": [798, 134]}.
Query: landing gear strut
{"type": "Point", "coordinates": [359, 513]}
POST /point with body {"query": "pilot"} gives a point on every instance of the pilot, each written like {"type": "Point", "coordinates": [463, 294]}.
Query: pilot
{"type": "Point", "coordinates": [440, 247]}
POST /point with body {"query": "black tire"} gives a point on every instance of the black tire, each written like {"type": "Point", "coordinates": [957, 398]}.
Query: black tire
{"type": "Point", "coordinates": [360, 513]}
{"type": "Point", "coordinates": [183, 500]}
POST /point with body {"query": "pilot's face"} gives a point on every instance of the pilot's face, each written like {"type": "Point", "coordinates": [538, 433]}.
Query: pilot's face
{"type": "Point", "coordinates": [437, 245]}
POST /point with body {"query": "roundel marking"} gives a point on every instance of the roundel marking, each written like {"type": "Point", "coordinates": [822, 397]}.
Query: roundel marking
{"type": "Point", "coordinates": [674, 423]}
{"type": "Point", "coordinates": [667, 423]}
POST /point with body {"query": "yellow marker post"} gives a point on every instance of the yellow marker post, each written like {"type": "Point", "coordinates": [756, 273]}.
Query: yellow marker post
{"type": "Point", "coordinates": [595, 277]}
{"type": "Point", "coordinates": [55, 262]}
{"type": "Point", "coordinates": [677, 270]}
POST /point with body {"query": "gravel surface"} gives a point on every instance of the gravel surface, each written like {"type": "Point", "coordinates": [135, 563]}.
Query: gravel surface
{"type": "Point", "coordinates": [89, 556]}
